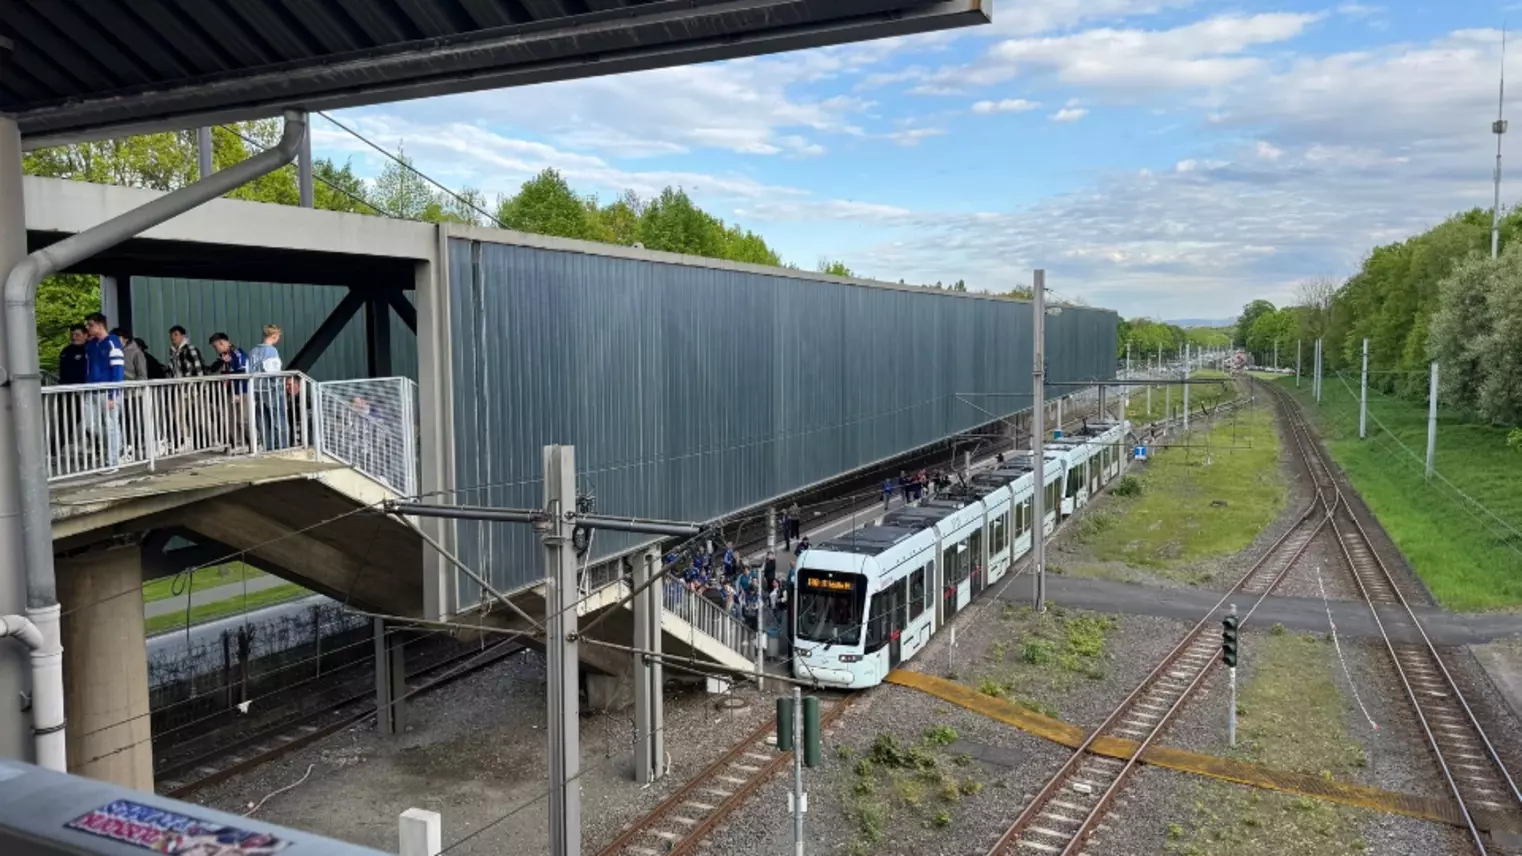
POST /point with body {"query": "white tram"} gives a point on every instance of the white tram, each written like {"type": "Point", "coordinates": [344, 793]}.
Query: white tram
{"type": "Point", "coordinates": [872, 598]}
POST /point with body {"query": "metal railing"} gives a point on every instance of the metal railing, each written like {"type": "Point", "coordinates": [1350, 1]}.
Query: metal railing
{"type": "Point", "coordinates": [371, 425]}
{"type": "Point", "coordinates": [711, 619]}
{"type": "Point", "coordinates": [101, 428]}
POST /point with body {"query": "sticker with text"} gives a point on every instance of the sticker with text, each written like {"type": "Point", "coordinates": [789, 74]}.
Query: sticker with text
{"type": "Point", "coordinates": [160, 831]}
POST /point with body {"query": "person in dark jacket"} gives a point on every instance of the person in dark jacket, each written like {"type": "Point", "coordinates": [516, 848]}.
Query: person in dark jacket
{"type": "Point", "coordinates": [232, 361]}
{"type": "Point", "coordinates": [71, 360]}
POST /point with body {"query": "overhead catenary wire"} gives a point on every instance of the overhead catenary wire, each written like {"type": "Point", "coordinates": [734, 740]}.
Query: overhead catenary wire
{"type": "Point", "coordinates": [334, 187]}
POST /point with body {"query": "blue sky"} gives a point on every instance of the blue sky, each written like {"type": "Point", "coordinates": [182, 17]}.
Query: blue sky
{"type": "Point", "coordinates": [1170, 158]}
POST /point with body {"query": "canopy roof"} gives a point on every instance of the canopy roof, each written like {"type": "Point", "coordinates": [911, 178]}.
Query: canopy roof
{"type": "Point", "coordinates": [73, 70]}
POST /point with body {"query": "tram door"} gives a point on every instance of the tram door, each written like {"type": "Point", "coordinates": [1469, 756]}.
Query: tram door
{"type": "Point", "coordinates": [900, 620]}
{"type": "Point", "coordinates": [979, 573]}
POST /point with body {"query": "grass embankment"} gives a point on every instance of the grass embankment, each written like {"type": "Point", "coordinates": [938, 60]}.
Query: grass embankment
{"type": "Point", "coordinates": [200, 580]}
{"type": "Point", "coordinates": [1291, 715]}
{"type": "Point", "coordinates": [894, 780]}
{"type": "Point", "coordinates": [1036, 659]}
{"type": "Point", "coordinates": [1469, 559]}
{"type": "Point", "coordinates": [1200, 395]}
{"type": "Point", "coordinates": [1205, 497]}
{"type": "Point", "coordinates": [223, 608]}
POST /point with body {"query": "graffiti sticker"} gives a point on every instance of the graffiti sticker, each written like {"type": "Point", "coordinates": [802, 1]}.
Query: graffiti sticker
{"type": "Point", "coordinates": [160, 831]}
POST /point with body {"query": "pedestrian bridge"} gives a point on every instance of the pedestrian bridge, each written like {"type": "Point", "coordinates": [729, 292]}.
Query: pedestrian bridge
{"type": "Point", "coordinates": [293, 473]}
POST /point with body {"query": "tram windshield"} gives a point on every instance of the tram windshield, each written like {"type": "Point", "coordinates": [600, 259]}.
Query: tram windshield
{"type": "Point", "coordinates": [829, 607]}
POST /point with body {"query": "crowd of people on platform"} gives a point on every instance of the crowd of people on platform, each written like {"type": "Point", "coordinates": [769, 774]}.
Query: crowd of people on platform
{"type": "Point", "coordinates": [916, 486]}
{"type": "Point", "coordinates": [100, 354]}
{"type": "Point", "coordinates": [742, 590]}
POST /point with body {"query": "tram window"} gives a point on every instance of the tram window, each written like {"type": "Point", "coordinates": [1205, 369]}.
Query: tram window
{"type": "Point", "coordinates": [1019, 519]}
{"type": "Point", "coordinates": [996, 534]}
{"type": "Point", "coordinates": [917, 593]}
{"type": "Point", "coordinates": [878, 620]}
{"type": "Point", "coordinates": [929, 588]}
{"type": "Point", "coordinates": [974, 550]}
{"type": "Point", "coordinates": [958, 563]}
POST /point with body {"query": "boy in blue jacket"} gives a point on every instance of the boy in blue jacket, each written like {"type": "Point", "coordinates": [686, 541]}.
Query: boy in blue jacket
{"type": "Point", "coordinates": [105, 362]}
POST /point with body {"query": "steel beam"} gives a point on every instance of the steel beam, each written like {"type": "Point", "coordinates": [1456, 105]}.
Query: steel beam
{"type": "Point", "coordinates": [327, 332]}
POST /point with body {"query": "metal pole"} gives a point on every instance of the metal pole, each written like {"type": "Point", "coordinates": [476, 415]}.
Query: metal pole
{"type": "Point", "coordinates": [1498, 127]}
{"type": "Point", "coordinates": [203, 151]}
{"type": "Point", "coordinates": [1231, 707]}
{"type": "Point", "coordinates": [1432, 424]}
{"type": "Point", "coordinates": [657, 678]}
{"type": "Point", "coordinates": [15, 668]}
{"type": "Point", "coordinates": [304, 185]}
{"type": "Point", "coordinates": [1186, 386]}
{"type": "Point", "coordinates": [1167, 401]}
{"type": "Point", "coordinates": [1363, 395]}
{"type": "Point", "coordinates": [1298, 343]}
{"type": "Point", "coordinates": [642, 750]}
{"type": "Point", "coordinates": [1276, 354]}
{"type": "Point", "coordinates": [799, 798]}
{"type": "Point", "coordinates": [561, 651]}
{"type": "Point", "coordinates": [1038, 436]}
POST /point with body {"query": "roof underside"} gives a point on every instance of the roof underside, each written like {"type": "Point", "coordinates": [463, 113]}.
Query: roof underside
{"type": "Point", "coordinates": [73, 70]}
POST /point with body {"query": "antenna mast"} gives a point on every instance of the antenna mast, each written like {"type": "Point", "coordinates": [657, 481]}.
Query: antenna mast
{"type": "Point", "coordinates": [1499, 129]}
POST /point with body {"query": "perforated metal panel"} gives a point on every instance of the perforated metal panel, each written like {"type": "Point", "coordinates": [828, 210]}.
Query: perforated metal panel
{"type": "Point", "coordinates": [691, 391]}
{"type": "Point", "coordinates": [241, 309]}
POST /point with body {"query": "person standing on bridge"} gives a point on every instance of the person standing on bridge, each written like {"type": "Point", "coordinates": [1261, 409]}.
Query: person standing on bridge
{"type": "Point", "coordinates": [104, 363]}
{"type": "Point", "coordinates": [269, 393]}
{"type": "Point", "coordinates": [184, 361]}
{"type": "Point", "coordinates": [232, 361]}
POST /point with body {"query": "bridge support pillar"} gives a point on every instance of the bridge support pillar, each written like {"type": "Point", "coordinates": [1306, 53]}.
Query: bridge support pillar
{"type": "Point", "coordinates": [390, 680]}
{"type": "Point", "coordinates": [105, 666]}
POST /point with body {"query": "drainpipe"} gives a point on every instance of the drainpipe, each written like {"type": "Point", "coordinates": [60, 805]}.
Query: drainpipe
{"type": "Point", "coordinates": [47, 670]}
{"type": "Point", "coordinates": [26, 379]}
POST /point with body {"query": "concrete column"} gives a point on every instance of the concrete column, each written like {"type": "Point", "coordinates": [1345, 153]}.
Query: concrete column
{"type": "Point", "coordinates": [105, 666]}
{"type": "Point", "coordinates": [203, 151]}
{"type": "Point", "coordinates": [304, 186]}
{"type": "Point", "coordinates": [15, 725]}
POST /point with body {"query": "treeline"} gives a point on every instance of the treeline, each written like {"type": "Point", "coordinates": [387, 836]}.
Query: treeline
{"type": "Point", "coordinates": [545, 204]}
{"type": "Point", "coordinates": [1435, 296]}
{"type": "Point", "coordinates": [1147, 337]}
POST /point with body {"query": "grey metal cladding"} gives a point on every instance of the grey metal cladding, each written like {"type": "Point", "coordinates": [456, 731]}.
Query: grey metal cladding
{"type": "Point", "coordinates": [241, 309]}
{"type": "Point", "coordinates": [691, 391]}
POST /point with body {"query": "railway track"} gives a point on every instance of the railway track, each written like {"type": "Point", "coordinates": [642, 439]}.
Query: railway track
{"type": "Point", "coordinates": [1471, 768]}
{"type": "Point", "coordinates": [186, 777]}
{"type": "Point", "coordinates": [684, 820]}
{"type": "Point", "coordinates": [1069, 808]}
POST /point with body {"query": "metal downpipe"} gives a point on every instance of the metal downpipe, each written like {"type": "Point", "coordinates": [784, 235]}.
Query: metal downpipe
{"type": "Point", "coordinates": [25, 376]}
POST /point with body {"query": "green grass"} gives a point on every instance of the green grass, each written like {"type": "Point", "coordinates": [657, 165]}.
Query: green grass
{"type": "Point", "coordinates": [1038, 658]}
{"type": "Point", "coordinates": [1469, 560]}
{"type": "Point", "coordinates": [1207, 395]}
{"type": "Point", "coordinates": [1179, 517]}
{"type": "Point", "coordinates": [223, 608]}
{"type": "Point", "coordinates": [203, 578]}
{"type": "Point", "coordinates": [905, 783]}
{"type": "Point", "coordinates": [1293, 716]}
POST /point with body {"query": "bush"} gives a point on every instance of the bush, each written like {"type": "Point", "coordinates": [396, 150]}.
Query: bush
{"type": "Point", "coordinates": [941, 735]}
{"type": "Point", "coordinates": [1037, 652]}
{"type": "Point", "coordinates": [1128, 486]}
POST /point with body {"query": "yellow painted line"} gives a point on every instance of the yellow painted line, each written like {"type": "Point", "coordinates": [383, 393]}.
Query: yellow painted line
{"type": "Point", "coordinates": [1199, 763]}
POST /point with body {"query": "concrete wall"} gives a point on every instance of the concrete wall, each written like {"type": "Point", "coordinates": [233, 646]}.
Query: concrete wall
{"type": "Point", "coordinates": [692, 388]}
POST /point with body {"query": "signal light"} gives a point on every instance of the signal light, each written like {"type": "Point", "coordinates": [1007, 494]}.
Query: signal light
{"type": "Point", "coordinates": [1229, 641]}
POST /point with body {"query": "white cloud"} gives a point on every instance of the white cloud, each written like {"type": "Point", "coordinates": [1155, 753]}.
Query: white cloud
{"type": "Point", "coordinates": [913, 136]}
{"type": "Point", "coordinates": [1007, 105]}
{"type": "Point", "coordinates": [1069, 114]}
{"type": "Point", "coordinates": [1042, 16]}
{"type": "Point", "coordinates": [1203, 54]}
{"type": "Point", "coordinates": [1269, 151]}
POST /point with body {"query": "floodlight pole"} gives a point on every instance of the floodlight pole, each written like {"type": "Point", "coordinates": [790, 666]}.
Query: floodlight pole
{"type": "Point", "coordinates": [1498, 127]}
{"type": "Point", "coordinates": [1038, 436]}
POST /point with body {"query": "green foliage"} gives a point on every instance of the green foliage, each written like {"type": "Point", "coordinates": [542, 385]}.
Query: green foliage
{"type": "Point", "coordinates": [62, 301]}
{"type": "Point", "coordinates": [940, 735]}
{"type": "Point", "coordinates": [1250, 315]}
{"type": "Point", "coordinates": [834, 268]}
{"type": "Point", "coordinates": [1038, 652]}
{"type": "Point", "coordinates": [1128, 486]}
{"type": "Point", "coordinates": [546, 205]}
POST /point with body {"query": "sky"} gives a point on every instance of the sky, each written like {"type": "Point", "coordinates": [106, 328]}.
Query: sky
{"type": "Point", "coordinates": [1163, 158]}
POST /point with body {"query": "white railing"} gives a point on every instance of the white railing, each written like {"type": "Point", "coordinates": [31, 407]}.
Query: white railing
{"type": "Point", "coordinates": [710, 618]}
{"type": "Point", "coordinates": [371, 425]}
{"type": "Point", "coordinates": [100, 428]}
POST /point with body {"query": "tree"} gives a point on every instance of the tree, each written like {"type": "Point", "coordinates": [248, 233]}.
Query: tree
{"type": "Point", "coordinates": [673, 224]}
{"type": "Point", "coordinates": [545, 205]}
{"type": "Point", "coordinates": [62, 301]}
{"type": "Point", "coordinates": [838, 268]}
{"type": "Point", "coordinates": [335, 189]}
{"type": "Point", "coordinates": [401, 191]}
{"type": "Point", "coordinates": [1250, 313]}
{"type": "Point", "coordinates": [618, 222]}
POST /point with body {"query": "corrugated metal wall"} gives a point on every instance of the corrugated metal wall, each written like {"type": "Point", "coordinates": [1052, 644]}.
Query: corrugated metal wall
{"type": "Point", "coordinates": [241, 309]}
{"type": "Point", "coordinates": [690, 392]}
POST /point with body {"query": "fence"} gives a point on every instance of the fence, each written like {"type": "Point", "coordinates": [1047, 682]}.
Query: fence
{"type": "Point", "coordinates": [371, 425]}
{"type": "Point", "coordinates": [100, 428]}
{"type": "Point", "coordinates": [712, 619]}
